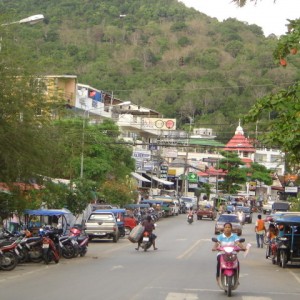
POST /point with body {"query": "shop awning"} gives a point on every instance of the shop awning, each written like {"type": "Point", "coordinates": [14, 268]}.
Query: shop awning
{"type": "Point", "coordinates": [139, 177]}
{"type": "Point", "coordinates": [165, 182]}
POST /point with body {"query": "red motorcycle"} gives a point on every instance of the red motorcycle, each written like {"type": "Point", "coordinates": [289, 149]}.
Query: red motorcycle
{"type": "Point", "coordinates": [8, 256]}
{"type": "Point", "coordinates": [50, 251]}
{"type": "Point", "coordinates": [229, 267]}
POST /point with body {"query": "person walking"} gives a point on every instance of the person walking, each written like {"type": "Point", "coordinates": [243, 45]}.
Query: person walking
{"type": "Point", "coordinates": [260, 230]}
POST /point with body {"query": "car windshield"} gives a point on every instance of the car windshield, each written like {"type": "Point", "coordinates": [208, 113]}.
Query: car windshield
{"type": "Point", "coordinates": [187, 200]}
{"type": "Point", "coordinates": [246, 209]}
{"type": "Point", "coordinates": [228, 218]}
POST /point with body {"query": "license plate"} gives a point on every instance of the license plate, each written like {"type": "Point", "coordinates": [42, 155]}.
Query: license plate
{"type": "Point", "coordinates": [97, 233]}
{"type": "Point", "coordinates": [204, 216]}
{"type": "Point", "coordinates": [145, 239]}
{"type": "Point", "coordinates": [45, 246]}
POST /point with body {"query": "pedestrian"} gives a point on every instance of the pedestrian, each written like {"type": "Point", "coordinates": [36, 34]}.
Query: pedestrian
{"type": "Point", "coordinates": [260, 230]}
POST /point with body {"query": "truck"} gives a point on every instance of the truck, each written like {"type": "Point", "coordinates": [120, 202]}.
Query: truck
{"type": "Point", "coordinates": [206, 209]}
{"type": "Point", "coordinates": [103, 225]}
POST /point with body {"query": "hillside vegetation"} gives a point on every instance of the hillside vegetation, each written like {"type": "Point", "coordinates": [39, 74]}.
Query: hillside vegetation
{"type": "Point", "coordinates": [159, 54]}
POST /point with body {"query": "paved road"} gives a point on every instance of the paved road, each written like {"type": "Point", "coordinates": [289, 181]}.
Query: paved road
{"type": "Point", "coordinates": [182, 268]}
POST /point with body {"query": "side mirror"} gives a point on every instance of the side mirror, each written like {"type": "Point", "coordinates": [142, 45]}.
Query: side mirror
{"type": "Point", "coordinates": [242, 240]}
{"type": "Point", "coordinates": [214, 239]}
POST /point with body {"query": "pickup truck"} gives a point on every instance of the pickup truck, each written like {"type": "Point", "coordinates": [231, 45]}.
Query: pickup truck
{"type": "Point", "coordinates": [267, 208]}
{"type": "Point", "coordinates": [102, 225]}
{"type": "Point", "coordinates": [206, 211]}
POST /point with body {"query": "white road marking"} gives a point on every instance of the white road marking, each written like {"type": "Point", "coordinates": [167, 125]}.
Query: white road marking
{"type": "Point", "coordinates": [182, 296]}
{"type": "Point", "coordinates": [190, 250]}
{"type": "Point", "coordinates": [255, 298]}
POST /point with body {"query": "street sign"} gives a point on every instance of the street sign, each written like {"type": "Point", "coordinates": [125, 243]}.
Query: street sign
{"type": "Point", "coordinates": [192, 177]}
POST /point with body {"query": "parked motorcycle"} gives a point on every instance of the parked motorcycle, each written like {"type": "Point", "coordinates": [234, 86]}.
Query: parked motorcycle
{"type": "Point", "coordinates": [50, 250]}
{"type": "Point", "coordinates": [82, 240]}
{"type": "Point", "coordinates": [229, 267]}
{"type": "Point", "coordinates": [8, 256]}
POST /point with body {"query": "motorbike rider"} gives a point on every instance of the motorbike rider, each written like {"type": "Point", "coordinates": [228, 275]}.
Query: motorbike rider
{"type": "Point", "coordinates": [149, 227]}
{"type": "Point", "coordinates": [191, 214]}
{"type": "Point", "coordinates": [227, 238]}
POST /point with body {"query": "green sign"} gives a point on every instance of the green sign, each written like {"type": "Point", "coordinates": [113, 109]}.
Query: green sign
{"type": "Point", "coordinates": [192, 177]}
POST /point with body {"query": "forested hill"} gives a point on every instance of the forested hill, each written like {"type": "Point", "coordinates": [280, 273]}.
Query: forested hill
{"type": "Point", "coordinates": [156, 53]}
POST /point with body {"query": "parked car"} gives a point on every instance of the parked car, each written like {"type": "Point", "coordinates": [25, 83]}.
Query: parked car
{"type": "Point", "coordinates": [233, 219]}
{"type": "Point", "coordinates": [248, 214]}
{"type": "Point", "coordinates": [103, 225]}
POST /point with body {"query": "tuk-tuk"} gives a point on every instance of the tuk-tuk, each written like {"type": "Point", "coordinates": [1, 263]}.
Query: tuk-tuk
{"type": "Point", "coordinates": [35, 219]}
{"type": "Point", "coordinates": [288, 240]}
{"type": "Point", "coordinates": [119, 214]}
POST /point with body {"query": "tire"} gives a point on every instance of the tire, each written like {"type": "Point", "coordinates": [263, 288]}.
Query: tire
{"type": "Point", "coordinates": [69, 252]}
{"type": "Point", "coordinates": [229, 286]}
{"type": "Point", "coordinates": [115, 238]}
{"type": "Point", "coordinates": [47, 257]}
{"type": "Point", "coordinates": [283, 259]}
{"type": "Point", "coordinates": [37, 259]}
{"type": "Point", "coordinates": [8, 261]}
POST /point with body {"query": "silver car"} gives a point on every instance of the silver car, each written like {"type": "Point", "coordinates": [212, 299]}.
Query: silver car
{"type": "Point", "coordinates": [228, 218]}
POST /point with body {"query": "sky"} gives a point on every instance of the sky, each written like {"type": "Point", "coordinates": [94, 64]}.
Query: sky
{"type": "Point", "coordinates": [272, 18]}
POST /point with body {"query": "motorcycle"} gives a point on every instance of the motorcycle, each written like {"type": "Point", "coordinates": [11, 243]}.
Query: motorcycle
{"type": "Point", "coordinates": [190, 219]}
{"type": "Point", "coordinates": [229, 267]}
{"type": "Point", "coordinates": [146, 241]}
{"type": "Point", "coordinates": [50, 251]}
{"type": "Point", "coordinates": [82, 240]}
{"type": "Point", "coordinates": [8, 256]}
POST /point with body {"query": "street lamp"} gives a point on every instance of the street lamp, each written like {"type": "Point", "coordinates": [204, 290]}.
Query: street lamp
{"type": "Point", "coordinates": [83, 130]}
{"type": "Point", "coordinates": [29, 20]}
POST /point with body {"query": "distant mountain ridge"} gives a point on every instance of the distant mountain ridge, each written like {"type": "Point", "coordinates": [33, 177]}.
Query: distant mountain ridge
{"type": "Point", "coordinates": [159, 54]}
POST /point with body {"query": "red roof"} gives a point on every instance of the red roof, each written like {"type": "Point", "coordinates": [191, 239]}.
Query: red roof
{"type": "Point", "coordinates": [211, 171]}
{"type": "Point", "coordinates": [239, 143]}
{"type": "Point", "coordinates": [202, 174]}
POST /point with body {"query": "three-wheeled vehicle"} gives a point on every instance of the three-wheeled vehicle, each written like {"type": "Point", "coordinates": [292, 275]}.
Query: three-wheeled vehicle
{"type": "Point", "coordinates": [288, 240]}
{"type": "Point", "coordinates": [35, 219]}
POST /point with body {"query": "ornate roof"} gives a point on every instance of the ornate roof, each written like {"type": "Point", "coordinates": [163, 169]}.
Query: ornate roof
{"type": "Point", "coordinates": [239, 142]}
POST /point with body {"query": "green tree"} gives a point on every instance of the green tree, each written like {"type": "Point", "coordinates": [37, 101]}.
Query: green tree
{"type": "Point", "coordinates": [236, 172]}
{"type": "Point", "coordinates": [260, 173]}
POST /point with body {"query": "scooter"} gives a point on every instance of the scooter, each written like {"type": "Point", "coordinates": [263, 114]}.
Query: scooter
{"type": "Point", "coordinates": [190, 219]}
{"type": "Point", "coordinates": [82, 240]}
{"type": "Point", "coordinates": [229, 267]}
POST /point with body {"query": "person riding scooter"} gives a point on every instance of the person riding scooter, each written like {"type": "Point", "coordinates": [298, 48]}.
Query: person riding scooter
{"type": "Point", "coordinates": [149, 227]}
{"type": "Point", "coordinates": [227, 238]}
{"type": "Point", "coordinates": [190, 216]}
